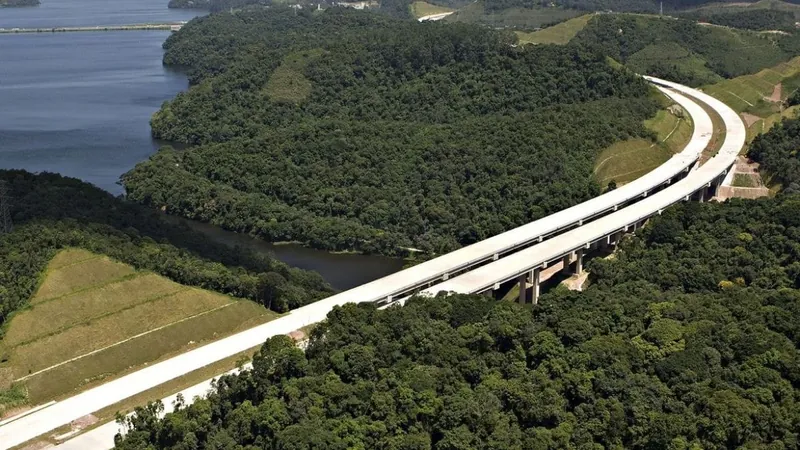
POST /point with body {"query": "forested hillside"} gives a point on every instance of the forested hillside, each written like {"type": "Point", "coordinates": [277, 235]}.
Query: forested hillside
{"type": "Point", "coordinates": [683, 51]}
{"type": "Point", "coordinates": [688, 339]}
{"type": "Point", "coordinates": [351, 131]}
{"type": "Point", "coordinates": [758, 19]}
{"type": "Point", "coordinates": [51, 212]}
{"type": "Point", "coordinates": [776, 150]}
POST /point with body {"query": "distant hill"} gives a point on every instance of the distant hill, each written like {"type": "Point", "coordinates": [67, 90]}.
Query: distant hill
{"type": "Point", "coordinates": [682, 50]}
{"type": "Point", "coordinates": [13, 3]}
{"type": "Point", "coordinates": [190, 4]}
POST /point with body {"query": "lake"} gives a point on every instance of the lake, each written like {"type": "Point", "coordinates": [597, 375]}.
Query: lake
{"type": "Point", "coordinates": [80, 104]}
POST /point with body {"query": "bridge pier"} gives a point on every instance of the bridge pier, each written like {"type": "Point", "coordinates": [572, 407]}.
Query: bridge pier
{"type": "Point", "coordinates": [579, 262]}
{"type": "Point", "coordinates": [523, 287]}
{"type": "Point", "coordinates": [565, 262]}
{"type": "Point", "coordinates": [535, 281]}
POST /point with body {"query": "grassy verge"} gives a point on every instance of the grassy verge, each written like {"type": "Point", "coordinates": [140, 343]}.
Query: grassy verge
{"type": "Point", "coordinates": [743, 180]}
{"type": "Point", "coordinates": [558, 34]}
{"type": "Point", "coordinates": [95, 319]}
{"type": "Point", "coordinates": [625, 161]}
{"type": "Point", "coordinates": [422, 9]}
{"type": "Point", "coordinates": [760, 96]}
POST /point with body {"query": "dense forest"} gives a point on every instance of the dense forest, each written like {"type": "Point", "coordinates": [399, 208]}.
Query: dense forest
{"type": "Point", "coordinates": [683, 51]}
{"type": "Point", "coordinates": [51, 212]}
{"type": "Point", "coordinates": [757, 19]}
{"type": "Point", "coordinates": [393, 134]}
{"type": "Point", "coordinates": [776, 151]}
{"type": "Point", "coordinates": [686, 340]}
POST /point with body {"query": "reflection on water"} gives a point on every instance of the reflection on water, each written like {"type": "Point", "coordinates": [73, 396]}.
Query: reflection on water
{"type": "Point", "coordinates": [79, 104]}
{"type": "Point", "coordinates": [342, 271]}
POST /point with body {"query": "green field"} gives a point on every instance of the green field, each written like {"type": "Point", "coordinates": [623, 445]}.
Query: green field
{"type": "Point", "coordinates": [744, 180]}
{"type": "Point", "coordinates": [94, 318]}
{"type": "Point", "coordinates": [422, 9]}
{"type": "Point", "coordinates": [625, 161]}
{"type": "Point", "coordinates": [557, 34]}
{"type": "Point", "coordinates": [518, 18]}
{"type": "Point", "coordinates": [288, 83]}
{"type": "Point", "coordinates": [753, 94]}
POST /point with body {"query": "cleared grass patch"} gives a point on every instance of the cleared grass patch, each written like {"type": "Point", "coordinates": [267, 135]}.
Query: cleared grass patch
{"type": "Point", "coordinates": [86, 273]}
{"type": "Point", "coordinates": [97, 334]}
{"type": "Point", "coordinates": [743, 180]}
{"type": "Point", "coordinates": [422, 9]}
{"type": "Point", "coordinates": [96, 318]}
{"type": "Point", "coordinates": [559, 34]}
{"type": "Point", "coordinates": [288, 83]}
{"type": "Point", "coordinates": [749, 93]}
{"type": "Point", "coordinates": [626, 161]}
{"type": "Point", "coordinates": [124, 358]}
{"type": "Point", "coordinates": [53, 316]}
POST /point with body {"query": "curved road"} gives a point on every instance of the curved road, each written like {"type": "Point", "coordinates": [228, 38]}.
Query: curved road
{"type": "Point", "coordinates": [47, 419]}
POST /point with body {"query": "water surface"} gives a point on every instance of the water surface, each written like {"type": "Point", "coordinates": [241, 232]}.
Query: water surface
{"type": "Point", "coordinates": [79, 104]}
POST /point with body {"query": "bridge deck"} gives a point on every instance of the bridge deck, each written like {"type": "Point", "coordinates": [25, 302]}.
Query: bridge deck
{"type": "Point", "coordinates": [517, 264]}
{"type": "Point", "coordinates": [28, 427]}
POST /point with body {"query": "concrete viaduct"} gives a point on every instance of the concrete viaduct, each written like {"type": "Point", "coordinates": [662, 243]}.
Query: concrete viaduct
{"type": "Point", "coordinates": [519, 254]}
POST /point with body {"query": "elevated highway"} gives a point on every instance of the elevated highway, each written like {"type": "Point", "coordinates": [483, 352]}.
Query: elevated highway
{"type": "Point", "coordinates": [444, 268]}
{"type": "Point", "coordinates": [526, 265]}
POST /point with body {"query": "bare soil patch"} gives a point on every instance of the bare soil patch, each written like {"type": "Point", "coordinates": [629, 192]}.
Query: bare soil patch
{"type": "Point", "coordinates": [777, 91]}
{"type": "Point", "coordinates": [750, 119]}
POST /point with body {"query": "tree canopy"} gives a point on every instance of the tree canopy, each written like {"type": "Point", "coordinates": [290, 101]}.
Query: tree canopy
{"type": "Point", "coordinates": [352, 131]}
{"type": "Point", "coordinates": [687, 339]}
{"type": "Point", "coordinates": [683, 51]}
{"type": "Point", "coordinates": [51, 212]}
{"type": "Point", "coordinates": [776, 151]}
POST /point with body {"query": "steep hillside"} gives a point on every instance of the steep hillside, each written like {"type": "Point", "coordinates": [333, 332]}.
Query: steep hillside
{"type": "Point", "coordinates": [394, 134]}
{"type": "Point", "coordinates": [51, 212]}
{"type": "Point", "coordinates": [683, 51]}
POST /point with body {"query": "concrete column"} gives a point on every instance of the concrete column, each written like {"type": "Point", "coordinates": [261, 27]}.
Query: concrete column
{"type": "Point", "coordinates": [579, 262]}
{"type": "Point", "coordinates": [535, 277]}
{"type": "Point", "coordinates": [566, 262]}
{"type": "Point", "coordinates": [701, 195]}
{"type": "Point", "coordinates": [523, 287]}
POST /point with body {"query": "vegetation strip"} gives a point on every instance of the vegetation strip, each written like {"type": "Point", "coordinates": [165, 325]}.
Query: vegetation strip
{"type": "Point", "coordinates": [122, 342]}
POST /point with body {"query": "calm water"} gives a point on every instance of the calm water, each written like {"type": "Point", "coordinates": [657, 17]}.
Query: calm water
{"type": "Point", "coordinates": [75, 13]}
{"type": "Point", "coordinates": [80, 103]}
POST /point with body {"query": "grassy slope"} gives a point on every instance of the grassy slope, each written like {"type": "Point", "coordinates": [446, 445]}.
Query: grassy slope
{"type": "Point", "coordinates": [90, 303]}
{"type": "Point", "coordinates": [749, 94]}
{"type": "Point", "coordinates": [625, 161]}
{"type": "Point", "coordinates": [288, 83]}
{"type": "Point", "coordinates": [520, 18]}
{"type": "Point", "coordinates": [422, 9]}
{"type": "Point", "coordinates": [557, 34]}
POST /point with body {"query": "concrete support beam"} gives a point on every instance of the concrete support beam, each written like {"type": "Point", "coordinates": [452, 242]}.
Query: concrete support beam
{"type": "Point", "coordinates": [579, 262]}
{"type": "Point", "coordinates": [535, 278]}
{"type": "Point", "coordinates": [523, 287]}
{"type": "Point", "coordinates": [701, 195]}
{"type": "Point", "coordinates": [565, 261]}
